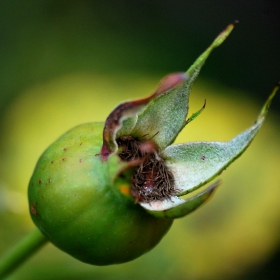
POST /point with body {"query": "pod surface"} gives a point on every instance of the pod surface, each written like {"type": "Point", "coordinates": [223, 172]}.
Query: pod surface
{"type": "Point", "coordinates": [73, 203]}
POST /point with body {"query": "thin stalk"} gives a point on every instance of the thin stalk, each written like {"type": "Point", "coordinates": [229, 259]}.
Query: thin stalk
{"type": "Point", "coordinates": [21, 252]}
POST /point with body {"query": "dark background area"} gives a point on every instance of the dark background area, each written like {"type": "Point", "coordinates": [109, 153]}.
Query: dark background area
{"type": "Point", "coordinates": [42, 40]}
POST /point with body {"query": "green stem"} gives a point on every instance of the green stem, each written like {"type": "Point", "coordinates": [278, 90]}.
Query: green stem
{"type": "Point", "coordinates": [21, 252]}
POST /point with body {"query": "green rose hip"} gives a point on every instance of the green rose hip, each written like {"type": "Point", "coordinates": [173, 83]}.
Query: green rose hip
{"type": "Point", "coordinates": [73, 203]}
{"type": "Point", "coordinates": [108, 193]}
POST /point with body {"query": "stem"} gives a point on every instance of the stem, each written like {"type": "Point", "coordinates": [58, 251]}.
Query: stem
{"type": "Point", "coordinates": [21, 252]}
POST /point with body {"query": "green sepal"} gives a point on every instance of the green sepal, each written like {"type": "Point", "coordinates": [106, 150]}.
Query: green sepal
{"type": "Point", "coordinates": [179, 207]}
{"type": "Point", "coordinates": [165, 116]}
{"type": "Point", "coordinates": [195, 164]}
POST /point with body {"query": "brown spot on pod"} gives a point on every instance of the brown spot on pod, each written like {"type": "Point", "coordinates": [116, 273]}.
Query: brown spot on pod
{"type": "Point", "coordinates": [80, 160]}
{"type": "Point", "coordinates": [39, 181]}
{"type": "Point", "coordinates": [33, 209]}
{"type": "Point", "coordinates": [65, 149]}
{"type": "Point", "coordinates": [64, 159]}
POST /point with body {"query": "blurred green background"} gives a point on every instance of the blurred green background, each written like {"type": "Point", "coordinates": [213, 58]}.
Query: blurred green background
{"type": "Point", "coordinates": [63, 63]}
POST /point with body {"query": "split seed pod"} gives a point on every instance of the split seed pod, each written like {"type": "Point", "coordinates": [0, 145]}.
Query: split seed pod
{"type": "Point", "coordinates": [108, 193]}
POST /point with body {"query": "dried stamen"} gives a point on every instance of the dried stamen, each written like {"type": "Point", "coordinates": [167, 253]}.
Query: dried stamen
{"type": "Point", "coordinates": [152, 180]}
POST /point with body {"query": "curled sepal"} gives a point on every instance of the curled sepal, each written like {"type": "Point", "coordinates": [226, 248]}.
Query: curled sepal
{"type": "Point", "coordinates": [195, 164]}
{"type": "Point", "coordinates": [162, 114]}
{"type": "Point", "coordinates": [114, 122]}
{"type": "Point", "coordinates": [177, 207]}
{"type": "Point", "coordinates": [123, 118]}
{"type": "Point", "coordinates": [165, 116]}
{"type": "Point", "coordinates": [167, 83]}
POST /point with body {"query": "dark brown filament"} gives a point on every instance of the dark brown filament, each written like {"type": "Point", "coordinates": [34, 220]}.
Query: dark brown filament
{"type": "Point", "coordinates": [152, 180]}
